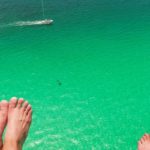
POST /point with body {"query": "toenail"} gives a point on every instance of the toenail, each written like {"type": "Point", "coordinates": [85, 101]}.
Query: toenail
{"type": "Point", "coordinates": [14, 98]}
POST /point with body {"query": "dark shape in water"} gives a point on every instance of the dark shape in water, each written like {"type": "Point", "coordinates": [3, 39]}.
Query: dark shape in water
{"type": "Point", "coordinates": [59, 82]}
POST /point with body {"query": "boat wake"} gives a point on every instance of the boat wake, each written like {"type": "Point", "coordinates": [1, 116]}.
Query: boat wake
{"type": "Point", "coordinates": [28, 23]}
{"type": "Point", "coordinates": [31, 23]}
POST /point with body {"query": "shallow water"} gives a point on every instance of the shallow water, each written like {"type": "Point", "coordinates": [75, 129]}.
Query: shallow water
{"type": "Point", "coordinates": [86, 76]}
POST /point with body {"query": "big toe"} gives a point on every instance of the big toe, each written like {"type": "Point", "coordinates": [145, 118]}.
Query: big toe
{"type": "Point", "coordinates": [13, 102]}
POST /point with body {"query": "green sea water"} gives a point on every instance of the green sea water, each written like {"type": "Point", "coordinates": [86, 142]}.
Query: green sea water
{"type": "Point", "coordinates": [87, 76]}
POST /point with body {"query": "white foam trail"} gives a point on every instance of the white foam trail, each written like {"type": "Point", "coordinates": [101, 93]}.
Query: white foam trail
{"type": "Point", "coordinates": [28, 23]}
{"type": "Point", "coordinates": [31, 23]}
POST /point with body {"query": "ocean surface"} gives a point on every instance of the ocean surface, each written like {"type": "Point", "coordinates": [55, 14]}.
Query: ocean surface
{"type": "Point", "coordinates": [87, 75]}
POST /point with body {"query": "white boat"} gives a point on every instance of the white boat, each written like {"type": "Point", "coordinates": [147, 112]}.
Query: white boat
{"type": "Point", "coordinates": [46, 22]}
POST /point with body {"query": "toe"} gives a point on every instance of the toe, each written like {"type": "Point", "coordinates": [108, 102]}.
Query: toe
{"type": "Point", "coordinates": [4, 105]}
{"type": "Point", "coordinates": [142, 140]}
{"type": "Point", "coordinates": [25, 105]}
{"type": "Point", "coordinates": [29, 117]}
{"type": "Point", "coordinates": [20, 102]}
{"type": "Point", "coordinates": [13, 102]}
{"type": "Point", "coordinates": [28, 108]}
{"type": "Point", "coordinates": [149, 137]}
{"type": "Point", "coordinates": [144, 137]}
{"type": "Point", "coordinates": [139, 143]}
{"type": "Point", "coordinates": [23, 109]}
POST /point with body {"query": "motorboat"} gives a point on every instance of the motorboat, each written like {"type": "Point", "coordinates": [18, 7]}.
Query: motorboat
{"type": "Point", "coordinates": [42, 22]}
{"type": "Point", "coordinates": [36, 22]}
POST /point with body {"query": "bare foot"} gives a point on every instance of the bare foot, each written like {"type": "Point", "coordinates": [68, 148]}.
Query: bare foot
{"type": "Point", "coordinates": [19, 120]}
{"type": "Point", "coordinates": [3, 118]}
{"type": "Point", "coordinates": [144, 143]}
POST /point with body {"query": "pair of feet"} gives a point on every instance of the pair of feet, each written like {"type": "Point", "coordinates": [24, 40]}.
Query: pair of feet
{"type": "Point", "coordinates": [16, 115]}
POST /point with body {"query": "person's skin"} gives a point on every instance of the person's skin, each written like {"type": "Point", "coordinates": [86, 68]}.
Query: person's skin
{"type": "Point", "coordinates": [144, 143]}
{"type": "Point", "coordinates": [3, 119]}
{"type": "Point", "coordinates": [19, 116]}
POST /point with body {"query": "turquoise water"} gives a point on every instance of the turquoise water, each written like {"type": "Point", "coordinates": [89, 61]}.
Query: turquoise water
{"type": "Point", "coordinates": [87, 76]}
